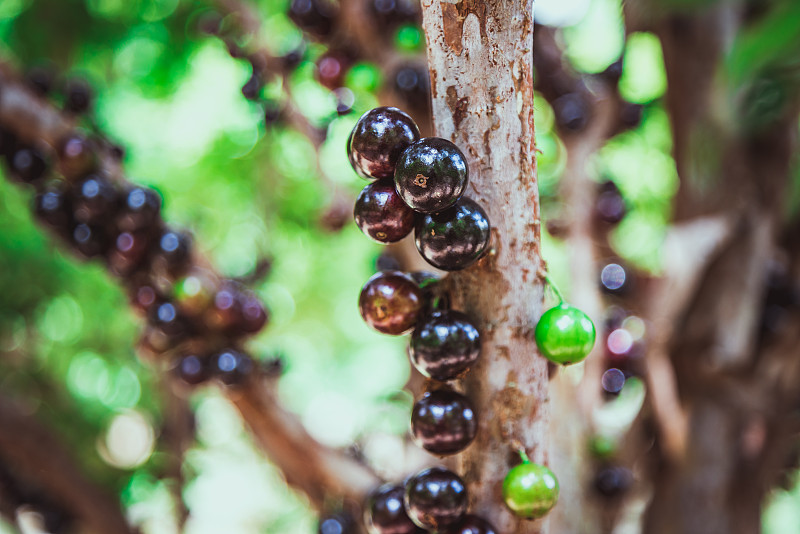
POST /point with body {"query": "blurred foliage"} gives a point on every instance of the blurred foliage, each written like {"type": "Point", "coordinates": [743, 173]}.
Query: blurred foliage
{"type": "Point", "coordinates": [248, 191]}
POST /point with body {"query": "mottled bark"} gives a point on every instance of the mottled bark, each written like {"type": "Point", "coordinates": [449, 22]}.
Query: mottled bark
{"type": "Point", "coordinates": [480, 57]}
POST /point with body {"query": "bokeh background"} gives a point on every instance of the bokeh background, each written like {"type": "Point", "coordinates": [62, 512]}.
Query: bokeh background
{"type": "Point", "coordinates": [251, 192]}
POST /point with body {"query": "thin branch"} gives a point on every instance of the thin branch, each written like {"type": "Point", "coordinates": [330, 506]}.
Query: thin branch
{"type": "Point", "coordinates": [40, 456]}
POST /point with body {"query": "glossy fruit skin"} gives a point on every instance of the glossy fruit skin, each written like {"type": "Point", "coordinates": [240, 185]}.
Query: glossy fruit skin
{"type": "Point", "coordinates": [385, 512]}
{"type": "Point", "coordinates": [381, 214]}
{"type": "Point", "coordinates": [128, 252]}
{"type": "Point", "coordinates": [530, 490]}
{"type": "Point", "coordinates": [191, 369]}
{"type": "Point", "coordinates": [27, 164]}
{"type": "Point", "coordinates": [565, 334]}
{"type": "Point", "coordinates": [471, 524]}
{"type": "Point", "coordinates": [95, 199]}
{"type": "Point", "coordinates": [444, 345]}
{"type": "Point", "coordinates": [378, 139]}
{"type": "Point", "coordinates": [52, 206]}
{"type": "Point", "coordinates": [78, 96]}
{"type": "Point", "coordinates": [436, 498]}
{"type": "Point", "coordinates": [453, 239]}
{"type": "Point", "coordinates": [443, 422]}
{"type": "Point", "coordinates": [431, 175]}
{"type": "Point", "coordinates": [613, 481]}
{"type": "Point", "coordinates": [76, 156]}
{"type": "Point", "coordinates": [173, 252]}
{"type": "Point", "coordinates": [338, 523]}
{"type": "Point", "coordinates": [89, 240]}
{"type": "Point", "coordinates": [141, 207]}
{"type": "Point", "coordinates": [390, 302]}
{"type": "Point", "coordinates": [232, 367]}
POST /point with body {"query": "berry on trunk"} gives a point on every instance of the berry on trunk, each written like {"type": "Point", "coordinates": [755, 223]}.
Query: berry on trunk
{"type": "Point", "coordinates": [565, 334]}
{"type": "Point", "coordinates": [338, 523]}
{"type": "Point", "coordinates": [94, 199]}
{"type": "Point", "coordinates": [390, 302]}
{"type": "Point", "coordinates": [232, 367]}
{"type": "Point", "coordinates": [444, 345]}
{"type": "Point", "coordinates": [27, 164]}
{"type": "Point", "coordinates": [443, 422]}
{"type": "Point", "coordinates": [530, 490]}
{"type": "Point", "coordinates": [471, 524]}
{"type": "Point", "coordinates": [378, 139]}
{"type": "Point", "coordinates": [436, 498]}
{"type": "Point", "coordinates": [381, 214]}
{"type": "Point", "coordinates": [455, 238]}
{"type": "Point", "coordinates": [385, 512]}
{"type": "Point", "coordinates": [191, 369]}
{"type": "Point", "coordinates": [431, 175]}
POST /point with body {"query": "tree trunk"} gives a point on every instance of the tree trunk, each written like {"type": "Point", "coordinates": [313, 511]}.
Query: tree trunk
{"type": "Point", "coordinates": [480, 57]}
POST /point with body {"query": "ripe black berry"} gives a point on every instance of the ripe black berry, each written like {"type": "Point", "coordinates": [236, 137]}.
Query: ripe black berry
{"type": "Point", "coordinates": [385, 512]}
{"type": "Point", "coordinates": [232, 367]}
{"type": "Point", "coordinates": [128, 252]}
{"type": "Point", "coordinates": [378, 139]}
{"type": "Point", "coordinates": [390, 302]}
{"type": "Point", "coordinates": [191, 369]}
{"type": "Point", "coordinates": [571, 112]}
{"type": "Point", "coordinates": [254, 315]}
{"type": "Point", "coordinates": [76, 156]}
{"type": "Point", "coordinates": [173, 252]}
{"type": "Point", "coordinates": [610, 205]}
{"type": "Point", "coordinates": [613, 481]}
{"type": "Point", "coordinates": [78, 96]}
{"type": "Point", "coordinates": [141, 207]}
{"type": "Point", "coordinates": [381, 214]}
{"type": "Point", "coordinates": [455, 238]}
{"type": "Point", "coordinates": [431, 175]}
{"type": "Point", "coordinates": [444, 345]}
{"type": "Point", "coordinates": [435, 498]}
{"type": "Point", "coordinates": [332, 67]}
{"type": "Point", "coordinates": [52, 206]}
{"type": "Point", "coordinates": [443, 422]}
{"type": "Point", "coordinates": [338, 523]}
{"type": "Point", "coordinates": [27, 164]}
{"type": "Point", "coordinates": [412, 83]}
{"type": "Point", "coordinates": [95, 199]}
{"type": "Point", "coordinates": [90, 240]}
{"type": "Point", "coordinates": [41, 79]}
{"type": "Point", "coordinates": [471, 524]}
{"type": "Point", "coordinates": [168, 320]}
{"type": "Point", "coordinates": [314, 16]}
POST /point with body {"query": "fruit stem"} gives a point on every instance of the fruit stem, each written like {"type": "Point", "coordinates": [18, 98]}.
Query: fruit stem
{"type": "Point", "coordinates": [554, 288]}
{"type": "Point", "coordinates": [524, 456]}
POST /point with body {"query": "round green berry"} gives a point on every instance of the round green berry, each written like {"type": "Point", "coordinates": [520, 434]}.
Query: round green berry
{"type": "Point", "coordinates": [530, 490]}
{"type": "Point", "coordinates": [565, 334]}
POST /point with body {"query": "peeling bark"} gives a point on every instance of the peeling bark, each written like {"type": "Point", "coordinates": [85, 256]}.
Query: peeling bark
{"type": "Point", "coordinates": [480, 57]}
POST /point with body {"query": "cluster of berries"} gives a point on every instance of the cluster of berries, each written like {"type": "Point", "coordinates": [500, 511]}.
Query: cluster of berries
{"type": "Point", "coordinates": [194, 316]}
{"type": "Point", "coordinates": [419, 184]}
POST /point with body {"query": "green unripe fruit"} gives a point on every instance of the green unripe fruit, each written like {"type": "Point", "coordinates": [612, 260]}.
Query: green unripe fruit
{"type": "Point", "coordinates": [530, 490]}
{"type": "Point", "coordinates": [565, 334]}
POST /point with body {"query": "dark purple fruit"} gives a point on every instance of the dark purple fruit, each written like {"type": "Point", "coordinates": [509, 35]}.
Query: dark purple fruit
{"type": "Point", "coordinates": [412, 83]}
{"type": "Point", "coordinates": [385, 513]}
{"type": "Point", "coordinates": [232, 367]}
{"type": "Point", "coordinates": [52, 206]}
{"type": "Point", "coordinates": [251, 90]}
{"type": "Point", "coordinates": [167, 319]}
{"type": "Point", "coordinates": [455, 238]}
{"type": "Point", "coordinates": [338, 523]}
{"type": "Point", "coordinates": [613, 481]}
{"type": "Point", "coordinates": [435, 498]}
{"type": "Point", "coordinates": [78, 96]}
{"type": "Point", "coordinates": [27, 164]}
{"type": "Point", "coordinates": [331, 69]}
{"type": "Point", "coordinates": [76, 156]}
{"type": "Point", "coordinates": [613, 381]}
{"type": "Point", "coordinates": [143, 294]}
{"type": "Point", "coordinates": [471, 524]}
{"type": "Point", "coordinates": [378, 139]}
{"type": "Point", "coordinates": [141, 207]}
{"type": "Point", "coordinates": [317, 17]}
{"type": "Point", "coordinates": [391, 13]}
{"type": "Point", "coordinates": [191, 369]}
{"type": "Point", "coordinates": [254, 314]}
{"type": "Point", "coordinates": [95, 199]}
{"type": "Point", "coordinates": [173, 252]}
{"type": "Point", "coordinates": [345, 99]}
{"type": "Point", "coordinates": [610, 205]}
{"type": "Point", "coordinates": [572, 112]}
{"type": "Point", "coordinates": [128, 252]}
{"type": "Point", "coordinates": [443, 422]}
{"type": "Point", "coordinates": [381, 214]}
{"type": "Point", "coordinates": [90, 240]}
{"type": "Point", "coordinates": [390, 302]}
{"type": "Point", "coordinates": [444, 345]}
{"type": "Point", "coordinates": [431, 175]}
